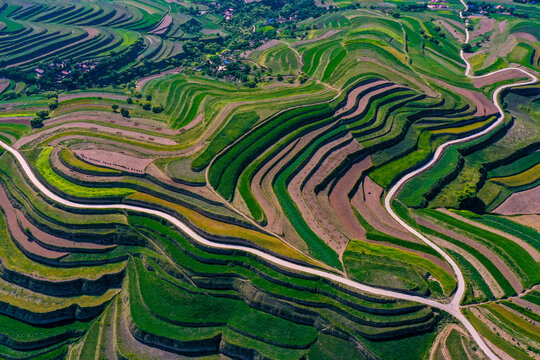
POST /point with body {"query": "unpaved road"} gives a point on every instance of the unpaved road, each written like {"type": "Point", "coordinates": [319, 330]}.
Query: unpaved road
{"type": "Point", "coordinates": [455, 303]}
{"type": "Point", "coordinates": [453, 308]}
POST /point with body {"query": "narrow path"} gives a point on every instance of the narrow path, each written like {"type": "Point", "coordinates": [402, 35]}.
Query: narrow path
{"type": "Point", "coordinates": [453, 308]}
{"type": "Point", "coordinates": [267, 257]}
{"type": "Point", "coordinates": [460, 291]}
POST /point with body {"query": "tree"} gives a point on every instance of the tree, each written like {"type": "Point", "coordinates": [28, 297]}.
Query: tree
{"type": "Point", "coordinates": [146, 105]}
{"type": "Point", "coordinates": [466, 48]}
{"type": "Point", "coordinates": [114, 107]}
{"type": "Point", "coordinates": [42, 114]}
{"type": "Point", "coordinates": [9, 95]}
{"type": "Point", "coordinates": [124, 112]}
{"type": "Point", "coordinates": [467, 199]}
{"type": "Point", "coordinates": [157, 109]}
{"type": "Point", "coordinates": [53, 103]}
{"type": "Point", "coordinates": [36, 122]}
{"type": "Point", "coordinates": [129, 100]}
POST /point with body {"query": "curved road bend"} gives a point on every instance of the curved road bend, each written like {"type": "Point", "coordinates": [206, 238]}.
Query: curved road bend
{"type": "Point", "coordinates": [453, 308]}
{"type": "Point", "coordinates": [458, 296]}
{"type": "Point", "coordinates": [449, 308]}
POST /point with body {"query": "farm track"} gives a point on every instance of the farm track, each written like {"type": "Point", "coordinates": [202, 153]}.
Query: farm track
{"type": "Point", "coordinates": [460, 292]}
{"type": "Point", "coordinates": [453, 308]}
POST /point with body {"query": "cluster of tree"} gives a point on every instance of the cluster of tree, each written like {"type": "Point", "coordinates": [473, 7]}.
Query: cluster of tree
{"type": "Point", "coordinates": [468, 199]}
{"type": "Point", "coordinates": [192, 26]}
{"type": "Point", "coordinates": [146, 105]}
{"type": "Point", "coordinates": [433, 39]}
{"type": "Point", "coordinates": [412, 7]}
{"type": "Point", "coordinates": [492, 8]}
{"type": "Point", "coordinates": [467, 48]}
{"type": "Point", "coordinates": [37, 121]}
{"type": "Point", "coordinates": [256, 13]}
{"type": "Point", "coordinates": [53, 99]}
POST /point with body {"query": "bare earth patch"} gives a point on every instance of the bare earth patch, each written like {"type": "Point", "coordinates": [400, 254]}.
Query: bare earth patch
{"type": "Point", "coordinates": [532, 221]}
{"type": "Point", "coordinates": [494, 78]}
{"type": "Point", "coordinates": [532, 251]}
{"type": "Point", "coordinates": [483, 105]}
{"type": "Point", "coordinates": [80, 95]}
{"type": "Point", "coordinates": [91, 33]}
{"type": "Point", "coordinates": [326, 35]}
{"type": "Point", "coordinates": [523, 202]}
{"type": "Point", "coordinates": [340, 202]}
{"type": "Point", "coordinates": [139, 84]}
{"type": "Point", "coordinates": [22, 240]}
{"type": "Point", "coordinates": [4, 83]}
{"type": "Point", "coordinates": [113, 160]}
{"type": "Point", "coordinates": [24, 120]}
{"type": "Point", "coordinates": [452, 30]}
{"type": "Point", "coordinates": [367, 200]}
{"type": "Point", "coordinates": [526, 36]}
{"type": "Point", "coordinates": [163, 25]}
{"type": "Point", "coordinates": [97, 128]}
{"type": "Point", "coordinates": [496, 260]}
{"type": "Point", "coordinates": [485, 25]}
{"type": "Point", "coordinates": [267, 45]}
{"type": "Point", "coordinates": [352, 97]}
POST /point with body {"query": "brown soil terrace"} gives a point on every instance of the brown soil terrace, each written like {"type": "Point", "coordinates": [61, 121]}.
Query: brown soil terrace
{"type": "Point", "coordinates": [494, 78]}
{"type": "Point", "coordinates": [340, 202]}
{"type": "Point", "coordinates": [24, 120]}
{"type": "Point", "coordinates": [526, 36]}
{"type": "Point", "coordinates": [523, 202]}
{"type": "Point", "coordinates": [491, 282]}
{"type": "Point", "coordinates": [163, 25]}
{"type": "Point", "coordinates": [496, 260]}
{"type": "Point", "coordinates": [284, 156]}
{"type": "Point", "coordinates": [483, 105]}
{"type": "Point", "coordinates": [22, 241]}
{"type": "Point", "coordinates": [91, 33]}
{"type": "Point", "coordinates": [95, 128]}
{"type": "Point", "coordinates": [353, 96]}
{"type": "Point", "coordinates": [484, 26]}
{"type": "Point", "coordinates": [532, 221]}
{"type": "Point", "coordinates": [365, 100]}
{"type": "Point", "coordinates": [103, 142]}
{"type": "Point", "coordinates": [139, 84]}
{"type": "Point", "coordinates": [113, 118]}
{"type": "Point", "coordinates": [452, 30]}
{"type": "Point", "coordinates": [114, 160]}
{"type": "Point", "coordinates": [426, 89]}
{"type": "Point", "coordinates": [4, 83]}
{"type": "Point", "coordinates": [326, 35]}
{"type": "Point", "coordinates": [262, 189]}
{"type": "Point", "coordinates": [532, 251]}
{"type": "Point", "coordinates": [367, 200]}
{"type": "Point", "coordinates": [306, 199]}
{"type": "Point", "coordinates": [128, 160]}
{"type": "Point", "coordinates": [224, 113]}
{"type": "Point", "coordinates": [105, 95]}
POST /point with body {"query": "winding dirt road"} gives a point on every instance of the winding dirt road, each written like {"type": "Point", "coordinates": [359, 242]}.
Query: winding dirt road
{"type": "Point", "coordinates": [452, 308]}
{"type": "Point", "coordinates": [458, 296]}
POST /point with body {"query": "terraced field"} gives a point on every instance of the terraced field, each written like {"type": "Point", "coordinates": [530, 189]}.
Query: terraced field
{"type": "Point", "coordinates": [373, 195]}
